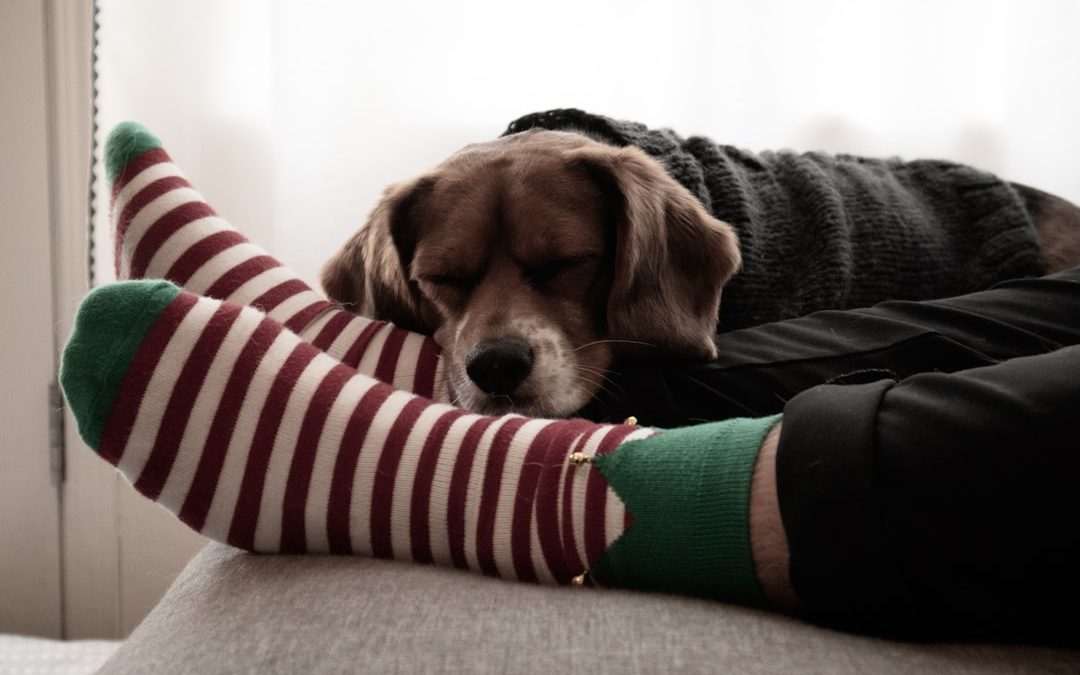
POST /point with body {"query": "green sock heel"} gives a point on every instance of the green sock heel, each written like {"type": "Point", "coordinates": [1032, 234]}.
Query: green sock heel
{"type": "Point", "coordinates": [109, 328]}
{"type": "Point", "coordinates": [688, 491]}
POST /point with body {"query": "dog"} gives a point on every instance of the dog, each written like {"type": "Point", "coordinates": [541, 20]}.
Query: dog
{"type": "Point", "coordinates": [537, 259]}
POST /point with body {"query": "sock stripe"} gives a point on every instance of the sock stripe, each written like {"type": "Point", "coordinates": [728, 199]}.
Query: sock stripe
{"type": "Point", "coordinates": [231, 281]}
{"type": "Point", "coordinates": [460, 480]}
{"type": "Point", "coordinates": [570, 542]}
{"type": "Point", "coordinates": [250, 290]}
{"type": "Point", "coordinates": [475, 491]}
{"type": "Point", "coordinates": [245, 518]}
{"type": "Point", "coordinates": [209, 398]}
{"type": "Point", "coordinates": [203, 279]}
{"type": "Point", "coordinates": [500, 556]}
{"type": "Point", "coordinates": [164, 182]}
{"type": "Point", "coordinates": [164, 228]}
{"type": "Point", "coordinates": [277, 295]}
{"type": "Point", "coordinates": [338, 532]}
{"type": "Point", "coordinates": [268, 532]}
{"type": "Point", "coordinates": [404, 372]}
{"type": "Point", "coordinates": [148, 200]}
{"type": "Point", "coordinates": [427, 365]}
{"type": "Point", "coordinates": [595, 521]}
{"type": "Point", "coordinates": [223, 503]}
{"type": "Point", "coordinates": [615, 518]}
{"type": "Point", "coordinates": [596, 502]}
{"type": "Point", "coordinates": [522, 498]}
{"type": "Point", "coordinates": [439, 515]}
{"type": "Point", "coordinates": [302, 319]}
{"type": "Point", "coordinates": [388, 355]}
{"type": "Point", "coordinates": [493, 473]}
{"type": "Point", "coordinates": [367, 477]}
{"type": "Point", "coordinates": [194, 257]}
{"type": "Point", "coordinates": [333, 435]}
{"type": "Point", "coordinates": [154, 407]}
{"type": "Point", "coordinates": [179, 242]}
{"type": "Point", "coordinates": [291, 302]}
{"type": "Point", "coordinates": [187, 386]}
{"type": "Point", "coordinates": [204, 484]}
{"type": "Point", "coordinates": [423, 487]}
{"type": "Point", "coordinates": [293, 524]}
{"type": "Point", "coordinates": [543, 573]}
{"type": "Point", "coordinates": [372, 357]}
{"type": "Point", "coordinates": [407, 481]}
{"type": "Point", "coordinates": [344, 344]}
{"type": "Point", "coordinates": [333, 328]}
{"type": "Point", "coordinates": [137, 166]}
{"type": "Point", "coordinates": [125, 410]}
{"type": "Point", "coordinates": [145, 209]}
{"type": "Point", "coordinates": [579, 493]}
{"type": "Point", "coordinates": [373, 351]}
{"type": "Point", "coordinates": [359, 347]}
{"type": "Point", "coordinates": [317, 324]}
{"type": "Point", "coordinates": [382, 495]}
{"type": "Point", "coordinates": [552, 461]}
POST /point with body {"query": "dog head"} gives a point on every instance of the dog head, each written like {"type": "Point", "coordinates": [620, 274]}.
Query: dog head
{"type": "Point", "coordinates": [537, 259]}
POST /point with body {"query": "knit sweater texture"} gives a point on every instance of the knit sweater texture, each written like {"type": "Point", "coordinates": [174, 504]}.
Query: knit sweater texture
{"type": "Point", "coordinates": [820, 231]}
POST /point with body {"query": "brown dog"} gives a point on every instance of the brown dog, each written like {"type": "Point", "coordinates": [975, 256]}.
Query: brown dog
{"type": "Point", "coordinates": [538, 258]}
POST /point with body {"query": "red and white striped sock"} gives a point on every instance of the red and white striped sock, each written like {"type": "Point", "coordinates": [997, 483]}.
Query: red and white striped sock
{"type": "Point", "coordinates": [254, 437]}
{"type": "Point", "coordinates": [164, 229]}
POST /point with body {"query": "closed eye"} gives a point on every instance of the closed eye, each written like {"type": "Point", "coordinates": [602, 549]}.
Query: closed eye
{"type": "Point", "coordinates": [448, 281]}
{"type": "Point", "coordinates": [549, 270]}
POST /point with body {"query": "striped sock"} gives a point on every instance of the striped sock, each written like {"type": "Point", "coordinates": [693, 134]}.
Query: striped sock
{"type": "Point", "coordinates": [164, 229]}
{"type": "Point", "coordinates": [255, 438]}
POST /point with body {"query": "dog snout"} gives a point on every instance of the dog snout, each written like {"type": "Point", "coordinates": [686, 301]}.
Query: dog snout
{"type": "Point", "coordinates": [499, 366]}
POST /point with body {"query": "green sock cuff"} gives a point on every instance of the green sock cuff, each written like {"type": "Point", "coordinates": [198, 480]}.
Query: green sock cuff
{"type": "Point", "coordinates": [109, 328]}
{"type": "Point", "coordinates": [688, 491]}
{"type": "Point", "coordinates": [126, 142]}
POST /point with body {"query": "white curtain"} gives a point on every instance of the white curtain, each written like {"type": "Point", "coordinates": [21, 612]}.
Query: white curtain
{"type": "Point", "coordinates": [291, 117]}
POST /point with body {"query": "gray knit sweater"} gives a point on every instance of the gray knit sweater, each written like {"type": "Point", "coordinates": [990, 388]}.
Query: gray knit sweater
{"type": "Point", "coordinates": [821, 231]}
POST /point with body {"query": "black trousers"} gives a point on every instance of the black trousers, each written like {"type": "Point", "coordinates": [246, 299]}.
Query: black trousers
{"type": "Point", "coordinates": [929, 465]}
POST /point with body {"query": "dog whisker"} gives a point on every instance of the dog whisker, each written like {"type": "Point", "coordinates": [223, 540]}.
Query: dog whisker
{"type": "Point", "coordinates": [596, 384]}
{"type": "Point", "coordinates": [600, 342]}
{"type": "Point", "coordinates": [604, 378]}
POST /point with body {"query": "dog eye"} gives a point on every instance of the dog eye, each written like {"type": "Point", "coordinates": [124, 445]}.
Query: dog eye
{"type": "Point", "coordinates": [550, 270]}
{"type": "Point", "coordinates": [448, 281]}
{"type": "Point", "coordinates": [554, 268]}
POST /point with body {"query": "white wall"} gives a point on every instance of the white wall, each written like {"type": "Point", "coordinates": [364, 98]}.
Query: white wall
{"type": "Point", "coordinates": [292, 117]}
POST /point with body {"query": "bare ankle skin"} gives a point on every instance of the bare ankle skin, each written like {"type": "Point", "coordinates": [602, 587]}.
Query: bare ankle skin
{"type": "Point", "coordinates": [768, 541]}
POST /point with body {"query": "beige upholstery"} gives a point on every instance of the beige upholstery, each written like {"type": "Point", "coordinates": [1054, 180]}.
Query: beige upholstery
{"type": "Point", "coordinates": [230, 612]}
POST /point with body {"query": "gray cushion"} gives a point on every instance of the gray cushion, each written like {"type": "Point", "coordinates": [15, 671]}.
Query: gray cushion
{"type": "Point", "coordinates": [231, 612]}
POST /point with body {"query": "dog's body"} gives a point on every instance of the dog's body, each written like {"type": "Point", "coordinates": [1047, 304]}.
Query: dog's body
{"type": "Point", "coordinates": [537, 259]}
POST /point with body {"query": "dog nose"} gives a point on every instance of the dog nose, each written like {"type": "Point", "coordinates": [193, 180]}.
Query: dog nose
{"type": "Point", "coordinates": [499, 366]}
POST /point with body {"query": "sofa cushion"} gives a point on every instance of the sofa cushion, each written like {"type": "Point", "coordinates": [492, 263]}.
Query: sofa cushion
{"type": "Point", "coordinates": [235, 612]}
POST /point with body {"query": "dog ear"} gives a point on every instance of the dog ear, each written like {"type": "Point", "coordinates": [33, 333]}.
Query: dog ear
{"type": "Point", "coordinates": [370, 274]}
{"type": "Point", "coordinates": [672, 258]}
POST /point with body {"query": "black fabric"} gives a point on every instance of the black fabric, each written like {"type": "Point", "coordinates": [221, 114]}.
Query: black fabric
{"type": "Point", "coordinates": [961, 509]}
{"type": "Point", "coordinates": [929, 466]}
{"type": "Point", "coordinates": [760, 369]}
{"type": "Point", "coordinates": [835, 232]}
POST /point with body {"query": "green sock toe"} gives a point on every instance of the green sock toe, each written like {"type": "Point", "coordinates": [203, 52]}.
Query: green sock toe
{"type": "Point", "coordinates": [111, 324]}
{"type": "Point", "coordinates": [127, 141]}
